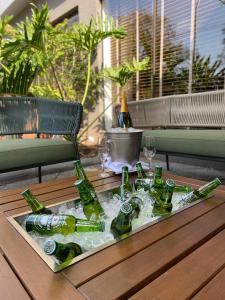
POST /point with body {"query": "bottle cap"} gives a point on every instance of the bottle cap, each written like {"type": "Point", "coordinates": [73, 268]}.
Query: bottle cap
{"type": "Point", "coordinates": [49, 247]}
{"type": "Point", "coordinates": [170, 183]}
{"type": "Point", "coordinates": [126, 208]}
{"type": "Point", "coordinates": [25, 191]}
{"type": "Point", "coordinates": [125, 168]}
{"type": "Point", "coordinates": [77, 162]}
{"type": "Point", "coordinates": [79, 182]}
{"type": "Point", "coordinates": [217, 180]}
{"type": "Point", "coordinates": [158, 169]}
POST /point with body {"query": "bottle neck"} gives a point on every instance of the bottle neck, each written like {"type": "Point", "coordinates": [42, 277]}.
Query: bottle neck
{"type": "Point", "coordinates": [124, 106]}
{"type": "Point", "coordinates": [80, 174]}
{"type": "Point", "coordinates": [125, 178]}
{"type": "Point", "coordinates": [61, 252]}
{"type": "Point", "coordinates": [166, 196]}
{"type": "Point", "coordinates": [124, 219]}
{"type": "Point", "coordinates": [207, 188]}
{"type": "Point", "coordinates": [182, 188]}
{"type": "Point", "coordinates": [89, 226]}
{"type": "Point", "coordinates": [34, 204]}
{"type": "Point", "coordinates": [158, 181]}
{"type": "Point", "coordinates": [85, 194]}
{"type": "Point", "coordinates": [141, 172]}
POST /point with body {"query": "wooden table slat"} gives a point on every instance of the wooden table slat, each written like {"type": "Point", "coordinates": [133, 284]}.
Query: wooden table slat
{"type": "Point", "coordinates": [39, 186]}
{"type": "Point", "coordinates": [132, 265]}
{"type": "Point", "coordinates": [103, 260]}
{"type": "Point", "coordinates": [155, 259]}
{"type": "Point", "coordinates": [32, 270]}
{"type": "Point", "coordinates": [188, 276]}
{"type": "Point", "coordinates": [45, 198]}
{"type": "Point", "coordinates": [215, 288]}
{"type": "Point", "coordinates": [52, 189]}
{"type": "Point", "coordinates": [10, 287]}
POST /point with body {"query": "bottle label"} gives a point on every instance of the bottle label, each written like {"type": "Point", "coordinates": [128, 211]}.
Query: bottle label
{"type": "Point", "coordinates": [48, 222]}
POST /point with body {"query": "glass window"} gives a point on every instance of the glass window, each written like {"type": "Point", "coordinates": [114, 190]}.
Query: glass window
{"type": "Point", "coordinates": [184, 40]}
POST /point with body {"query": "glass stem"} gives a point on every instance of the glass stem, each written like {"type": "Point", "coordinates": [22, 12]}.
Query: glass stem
{"type": "Point", "coordinates": [103, 167]}
{"type": "Point", "coordinates": [149, 164]}
{"type": "Point", "coordinates": [150, 167]}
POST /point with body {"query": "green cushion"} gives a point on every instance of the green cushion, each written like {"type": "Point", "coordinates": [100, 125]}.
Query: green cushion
{"type": "Point", "coordinates": [207, 142]}
{"type": "Point", "coordinates": [26, 152]}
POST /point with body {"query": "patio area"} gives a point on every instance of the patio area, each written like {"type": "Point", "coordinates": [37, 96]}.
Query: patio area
{"type": "Point", "coordinates": [112, 150]}
{"type": "Point", "coordinates": [192, 168]}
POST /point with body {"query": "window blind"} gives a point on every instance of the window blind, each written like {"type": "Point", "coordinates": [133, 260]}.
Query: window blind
{"type": "Point", "coordinates": [185, 41]}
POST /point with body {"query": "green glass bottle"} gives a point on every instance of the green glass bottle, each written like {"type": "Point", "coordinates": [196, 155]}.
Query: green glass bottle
{"type": "Point", "coordinates": [182, 188]}
{"type": "Point", "coordinates": [36, 206]}
{"type": "Point", "coordinates": [202, 192]}
{"type": "Point", "coordinates": [140, 171]}
{"type": "Point", "coordinates": [158, 183]}
{"type": "Point", "coordinates": [63, 252]}
{"type": "Point", "coordinates": [142, 184]}
{"type": "Point", "coordinates": [124, 118]}
{"type": "Point", "coordinates": [63, 224]}
{"type": "Point", "coordinates": [121, 225]}
{"type": "Point", "coordinates": [135, 203]}
{"type": "Point", "coordinates": [164, 205]}
{"type": "Point", "coordinates": [80, 174]}
{"type": "Point", "coordinates": [91, 206]}
{"type": "Point", "coordinates": [125, 187]}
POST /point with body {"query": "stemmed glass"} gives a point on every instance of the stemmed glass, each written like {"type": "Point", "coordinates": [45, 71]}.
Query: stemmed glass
{"type": "Point", "coordinates": [149, 151]}
{"type": "Point", "coordinates": [103, 154]}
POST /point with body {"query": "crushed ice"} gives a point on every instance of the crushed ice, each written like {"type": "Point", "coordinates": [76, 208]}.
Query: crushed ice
{"type": "Point", "coordinates": [111, 204]}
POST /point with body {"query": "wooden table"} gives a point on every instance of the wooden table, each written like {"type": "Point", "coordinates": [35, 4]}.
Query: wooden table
{"type": "Point", "coordinates": [181, 257]}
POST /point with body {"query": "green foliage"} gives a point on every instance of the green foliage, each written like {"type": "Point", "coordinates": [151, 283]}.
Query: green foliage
{"type": "Point", "coordinates": [88, 37]}
{"type": "Point", "coordinates": [206, 76]}
{"type": "Point", "coordinates": [44, 90]}
{"type": "Point", "coordinates": [21, 55]}
{"type": "Point", "coordinates": [71, 55]}
{"type": "Point", "coordinates": [121, 74]}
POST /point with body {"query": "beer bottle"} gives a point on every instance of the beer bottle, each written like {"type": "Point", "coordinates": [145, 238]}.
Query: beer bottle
{"type": "Point", "coordinates": [124, 119]}
{"type": "Point", "coordinates": [63, 252]}
{"type": "Point", "coordinates": [140, 171]}
{"type": "Point", "coordinates": [200, 193]}
{"type": "Point", "coordinates": [164, 205]}
{"type": "Point", "coordinates": [80, 174]}
{"type": "Point", "coordinates": [63, 224]}
{"type": "Point", "coordinates": [182, 188]}
{"type": "Point", "coordinates": [135, 203]}
{"type": "Point", "coordinates": [36, 206]}
{"type": "Point", "coordinates": [142, 182]}
{"type": "Point", "coordinates": [158, 182]}
{"type": "Point", "coordinates": [126, 187]}
{"type": "Point", "coordinates": [122, 223]}
{"type": "Point", "coordinates": [91, 206]}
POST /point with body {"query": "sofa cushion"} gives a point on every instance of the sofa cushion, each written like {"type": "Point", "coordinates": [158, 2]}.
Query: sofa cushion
{"type": "Point", "coordinates": [205, 142]}
{"type": "Point", "coordinates": [27, 152]}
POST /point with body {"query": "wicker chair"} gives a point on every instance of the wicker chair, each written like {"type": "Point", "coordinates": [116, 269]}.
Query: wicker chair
{"type": "Point", "coordinates": [26, 115]}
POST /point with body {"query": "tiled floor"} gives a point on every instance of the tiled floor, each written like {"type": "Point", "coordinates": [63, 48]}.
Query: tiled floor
{"type": "Point", "coordinates": [200, 169]}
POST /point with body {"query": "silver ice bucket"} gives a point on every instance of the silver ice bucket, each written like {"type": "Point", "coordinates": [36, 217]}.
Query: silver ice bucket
{"type": "Point", "coordinates": [125, 146]}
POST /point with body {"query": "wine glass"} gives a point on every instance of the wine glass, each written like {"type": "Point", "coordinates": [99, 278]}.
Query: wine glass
{"type": "Point", "coordinates": [149, 151]}
{"type": "Point", "coordinates": [103, 154]}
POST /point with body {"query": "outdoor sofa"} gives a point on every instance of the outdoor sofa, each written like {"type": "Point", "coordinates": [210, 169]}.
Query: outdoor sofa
{"type": "Point", "coordinates": [184, 125]}
{"type": "Point", "coordinates": [44, 118]}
